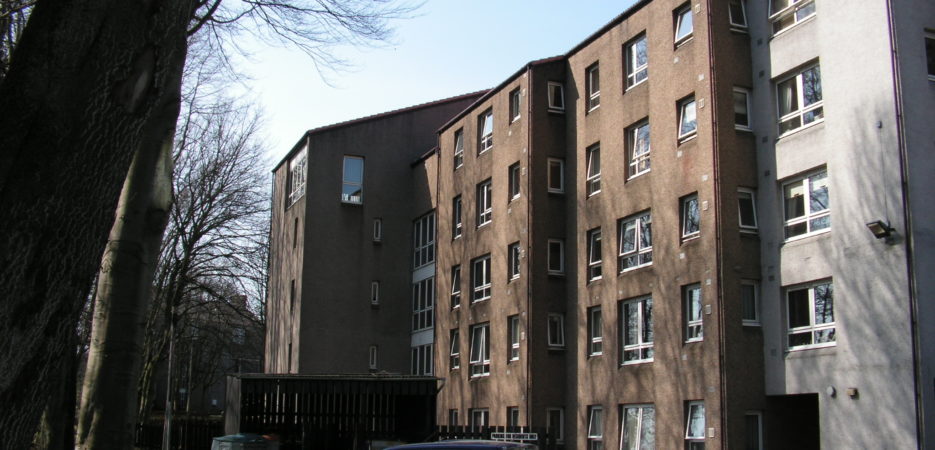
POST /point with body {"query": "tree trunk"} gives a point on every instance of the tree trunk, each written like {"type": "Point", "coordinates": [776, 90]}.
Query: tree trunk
{"type": "Point", "coordinates": [107, 418]}
{"type": "Point", "coordinates": [92, 81]}
{"type": "Point", "coordinates": [57, 429]}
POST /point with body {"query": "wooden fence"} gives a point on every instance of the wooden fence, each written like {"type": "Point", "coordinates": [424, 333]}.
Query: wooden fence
{"type": "Point", "coordinates": [188, 433]}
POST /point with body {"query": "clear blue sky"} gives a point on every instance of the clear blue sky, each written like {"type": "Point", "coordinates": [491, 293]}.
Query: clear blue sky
{"type": "Point", "coordinates": [452, 47]}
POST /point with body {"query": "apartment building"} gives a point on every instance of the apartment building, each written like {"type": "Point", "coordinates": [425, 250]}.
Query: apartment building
{"type": "Point", "coordinates": [704, 225]}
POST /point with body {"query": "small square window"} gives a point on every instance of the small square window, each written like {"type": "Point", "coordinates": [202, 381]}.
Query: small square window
{"type": "Point", "coordinates": [514, 105]}
{"type": "Point", "coordinates": [691, 217]}
{"type": "Point", "coordinates": [688, 124]}
{"type": "Point", "coordinates": [807, 205]}
{"type": "Point", "coordinates": [738, 15]}
{"type": "Point", "coordinates": [512, 323]}
{"type": "Point", "coordinates": [742, 109]}
{"type": "Point", "coordinates": [455, 287]}
{"type": "Point", "coordinates": [750, 301]}
{"type": "Point", "coordinates": [352, 189]}
{"type": "Point", "coordinates": [459, 149]}
{"type": "Point", "coordinates": [593, 181]}
{"type": "Point", "coordinates": [485, 126]}
{"type": "Point", "coordinates": [637, 61]}
{"type": "Point", "coordinates": [800, 101]}
{"type": "Point", "coordinates": [556, 330]}
{"type": "Point", "coordinates": [594, 254]}
{"type": "Point", "coordinates": [594, 86]}
{"type": "Point", "coordinates": [746, 206]}
{"type": "Point", "coordinates": [556, 96]}
{"type": "Point", "coordinates": [930, 54]}
{"type": "Point", "coordinates": [786, 13]}
{"type": "Point", "coordinates": [514, 172]}
{"type": "Point", "coordinates": [691, 299]}
{"type": "Point", "coordinates": [595, 332]}
{"type": "Point", "coordinates": [457, 226]}
{"type": "Point", "coordinates": [556, 175]}
{"type": "Point", "coordinates": [638, 149]}
{"type": "Point", "coordinates": [694, 425]}
{"type": "Point", "coordinates": [513, 255]}
{"type": "Point", "coordinates": [484, 203]}
{"type": "Point", "coordinates": [683, 24]}
{"type": "Point", "coordinates": [556, 256]}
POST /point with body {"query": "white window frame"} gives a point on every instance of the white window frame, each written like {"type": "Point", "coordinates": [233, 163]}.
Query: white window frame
{"type": "Point", "coordinates": [759, 427]}
{"type": "Point", "coordinates": [512, 417]}
{"type": "Point", "coordinates": [693, 308]}
{"type": "Point", "coordinates": [642, 347]}
{"type": "Point", "coordinates": [812, 328]}
{"type": "Point", "coordinates": [454, 349]}
{"type": "Point", "coordinates": [594, 255]}
{"type": "Point", "coordinates": [423, 238]}
{"type": "Point", "coordinates": [345, 182]}
{"type": "Point", "coordinates": [374, 292]}
{"type": "Point", "coordinates": [457, 217]}
{"type": "Point", "coordinates": [641, 253]}
{"type": "Point", "coordinates": [595, 434]}
{"type": "Point", "coordinates": [377, 230]}
{"type": "Point", "coordinates": [459, 149]}
{"type": "Point", "coordinates": [637, 73]}
{"type": "Point", "coordinates": [681, 14]}
{"type": "Point", "coordinates": [685, 106]}
{"type": "Point", "coordinates": [750, 194]}
{"type": "Point", "coordinates": [514, 181]}
{"type": "Point", "coordinates": [801, 112]}
{"type": "Point", "coordinates": [641, 412]}
{"type": "Point", "coordinates": [593, 79]}
{"type": "Point", "coordinates": [593, 165]}
{"type": "Point", "coordinates": [372, 358]}
{"type": "Point", "coordinates": [559, 434]}
{"type": "Point", "coordinates": [515, 105]}
{"type": "Point", "coordinates": [639, 163]}
{"type": "Point", "coordinates": [692, 437]}
{"type": "Point", "coordinates": [735, 25]}
{"type": "Point", "coordinates": [485, 131]}
{"type": "Point", "coordinates": [797, 10]}
{"type": "Point", "coordinates": [480, 341]}
{"type": "Point", "coordinates": [561, 257]}
{"type": "Point", "coordinates": [480, 278]}
{"type": "Point", "coordinates": [556, 330]}
{"type": "Point", "coordinates": [754, 288]}
{"type": "Point", "coordinates": [561, 176]}
{"type": "Point", "coordinates": [484, 194]}
{"type": "Point", "coordinates": [298, 173]}
{"type": "Point", "coordinates": [422, 360]}
{"type": "Point", "coordinates": [595, 332]}
{"type": "Point", "coordinates": [513, 334]}
{"type": "Point", "coordinates": [514, 256]}
{"type": "Point", "coordinates": [556, 102]}
{"type": "Point", "coordinates": [687, 232]}
{"type": "Point", "coordinates": [456, 286]}
{"type": "Point", "coordinates": [809, 216]}
{"type": "Point", "coordinates": [746, 102]}
{"type": "Point", "coordinates": [423, 304]}
{"type": "Point", "coordinates": [480, 418]}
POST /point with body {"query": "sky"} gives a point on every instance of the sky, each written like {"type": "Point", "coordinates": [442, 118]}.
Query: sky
{"type": "Point", "coordinates": [450, 47]}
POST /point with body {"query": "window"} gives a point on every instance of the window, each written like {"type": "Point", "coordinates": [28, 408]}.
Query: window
{"type": "Point", "coordinates": [480, 278]}
{"type": "Point", "coordinates": [514, 105]}
{"type": "Point", "coordinates": [455, 286]}
{"type": "Point", "coordinates": [512, 417]}
{"type": "Point", "coordinates": [638, 148]}
{"type": "Point", "coordinates": [377, 230]}
{"type": "Point", "coordinates": [480, 417]}
{"type": "Point", "coordinates": [422, 360]}
{"type": "Point", "coordinates": [694, 426]}
{"type": "Point", "coordinates": [786, 13]}
{"type": "Point", "coordinates": [457, 226]}
{"type": "Point", "coordinates": [485, 125]}
{"type": "Point", "coordinates": [930, 54]}
{"type": "Point", "coordinates": [636, 329]}
{"type": "Point", "coordinates": [635, 242]}
{"type": "Point", "coordinates": [811, 316]}
{"type": "Point", "coordinates": [556, 330]}
{"type": "Point", "coordinates": [595, 332]}
{"type": "Point", "coordinates": [799, 100]}
{"type": "Point", "coordinates": [691, 301]}
{"type": "Point", "coordinates": [742, 109]}
{"type": "Point", "coordinates": [753, 430]}
{"type": "Point", "coordinates": [372, 359]}
{"type": "Point", "coordinates": [637, 61]}
{"type": "Point", "coordinates": [298, 167]}
{"type": "Point", "coordinates": [638, 430]}
{"type": "Point", "coordinates": [683, 24]}
{"type": "Point", "coordinates": [738, 15]}
{"type": "Point", "coordinates": [688, 125]}
{"type": "Point", "coordinates": [749, 299]}
{"type": "Point", "coordinates": [512, 332]}
{"type": "Point", "coordinates": [594, 254]}
{"type": "Point", "coordinates": [513, 256]}
{"type": "Point", "coordinates": [594, 86]}
{"type": "Point", "coordinates": [746, 206]}
{"type": "Point", "coordinates": [423, 236]}
{"type": "Point", "coordinates": [453, 417]}
{"type": "Point", "coordinates": [556, 256]}
{"type": "Point", "coordinates": [514, 181]}
{"type": "Point", "coordinates": [593, 182]}
{"type": "Point", "coordinates": [484, 203]}
{"type": "Point", "coordinates": [556, 175]}
{"type": "Point", "coordinates": [459, 148]}
{"type": "Point", "coordinates": [295, 232]}
{"type": "Point", "coordinates": [352, 188]}
{"type": "Point", "coordinates": [556, 96]}
{"type": "Point", "coordinates": [423, 304]}
{"type": "Point", "coordinates": [374, 292]}
{"type": "Point", "coordinates": [454, 351]}
{"type": "Point", "coordinates": [807, 217]}
{"type": "Point", "coordinates": [292, 296]}
{"type": "Point", "coordinates": [555, 425]}
{"type": "Point", "coordinates": [480, 350]}
{"type": "Point", "coordinates": [595, 428]}
{"type": "Point", "coordinates": [691, 217]}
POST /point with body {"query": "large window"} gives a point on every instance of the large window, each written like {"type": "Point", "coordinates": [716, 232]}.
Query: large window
{"type": "Point", "coordinates": [480, 417]}
{"type": "Point", "coordinates": [480, 278]}
{"type": "Point", "coordinates": [454, 351]}
{"type": "Point", "coordinates": [556, 175]}
{"type": "Point", "coordinates": [556, 96]}
{"type": "Point", "coordinates": [423, 237]}
{"type": "Point", "coordinates": [556, 330]}
{"type": "Point", "coordinates": [930, 54]}
{"type": "Point", "coordinates": [593, 182]}
{"type": "Point", "coordinates": [807, 205]}
{"type": "Point", "coordinates": [480, 350]}
{"type": "Point", "coordinates": [635, 242]}
{"type": "Point", "coordinates": [512, 331]}
{"type": "Point", "coordinates": [691, 217]}
{"type": "Point", "coordinates": [688, 123]}
{"type": "Point", "coordinates": [691, 301]}
{"type": "Point", "coordinates": [455, 286]}
{"type": "Point", "coordinates": [298, 168]}
{"type": "Point", "coordinates": [799, 100]}
{"type": "Point", "coordinates": [637, 61]}
{"type": "Point", "coordinates": [513, 261]}
{"type": "Point", "coordinates": [638, 149]}
{"type": "Point", "coordinates": [595, 428]}
{"type": "Point", "coordinates": [352, 188]}
{"type": "Point", "coordinates": [594, 254]}
{"type": "Point", "coordinates": [811, 316]}
{"type": "Point", "coordinates": [750, 301]}
{"type": "Point", "coordinates": [746, 209]}
{"type": "Point", "coordinates": [742, 109]}
{"type": "Point", "coordinates": [595, 332]}
{"type": "Point", "coordinates": [556, 256]}
{"type": "Point", "coordinates": [514, 105]}
{"type": "Point", "coordinates": [594, 86]}
{"type": "Point", "coordinates": [636, 330]}
{"type": "Point", "coordinates": [694, 426]}
{"type": "Point", "coordinates": [683, 23]}
{"type": "Point", "coordinates": [513, 173]}
{"type": "Point", "coordinates": [423, 304]}
{"type": "Point", "coordinates": [484, 203]}
{"type": "Point", "coordinates": [459, 148]}
{"type": "Point", "coordinates": [638, 430]}
{"type": "Point", "coordinates": [457, 226]}
{"type": "Point", "coordinates": [485, 125]}
{"type": "Point", "coordinates": [422, 360]}
{"type": "Point", "coordinates": [786, 13]}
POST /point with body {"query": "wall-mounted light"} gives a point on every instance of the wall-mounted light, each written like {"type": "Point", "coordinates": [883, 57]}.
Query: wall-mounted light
{"type": "Point", "coordinates": [881, 230]}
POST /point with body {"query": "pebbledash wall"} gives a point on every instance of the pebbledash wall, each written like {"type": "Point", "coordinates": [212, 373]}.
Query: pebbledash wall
{"type": "Point", "coordinates": [658, 239]}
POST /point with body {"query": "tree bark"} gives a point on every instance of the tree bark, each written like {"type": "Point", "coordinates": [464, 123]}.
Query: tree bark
{"type": "Point", "coordinates": [91, 83]}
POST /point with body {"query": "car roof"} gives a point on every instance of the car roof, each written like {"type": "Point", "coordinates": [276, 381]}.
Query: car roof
{"type": "Point", "coordinates": [464, 445]}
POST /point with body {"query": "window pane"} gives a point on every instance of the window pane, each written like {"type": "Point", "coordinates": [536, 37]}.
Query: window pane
{"type": "Point", "coordinates": [648, 431]}
{"type": "Point", "coordinates": [930, 55]}
{"type": "Point", "coordinates": [688, 122]}
{"type": "Point", "coordinates": [746, 209]}
{"type": "Point", "coordinates": [748, 299]}
{"type": "Point", "coordinates": [824, 304]}
{"type": "Point", "coordinates": [778, 5]}
{"type": "Point", "coordinates": [691, 216]}
{"type": "Point", "coordinates": [737, 14]}
{"type": "Point", "coordinates": [684, 24]}
{"type": "Point", "coordinates": [795, 200]}
{"type": "Point", "coordinates": [353, 170]}
{"type": "Point", "coordinates": [741, 116]}
{"type": "Point", "coordinates": [811, 86]}
{"type": "Point", "coordinates": [752, 432]}
{"type": "Point", "coordinates": [628, 237]}
{"type": "Point", "coordinates": [798, 309]}
{"type": "Point", "coordinates": [818, 192]}
{"type": "Point", "coordinates": [695, 421]}
{"type": "Point", "coordinates": [788, 97]}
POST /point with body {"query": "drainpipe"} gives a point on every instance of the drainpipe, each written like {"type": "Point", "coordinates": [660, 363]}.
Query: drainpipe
{"type": "Point", "coordinates": [529, 238]}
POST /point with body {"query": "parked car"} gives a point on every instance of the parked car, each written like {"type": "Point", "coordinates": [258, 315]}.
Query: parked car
{"type": "Point", "coordinates": [466, 445]}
